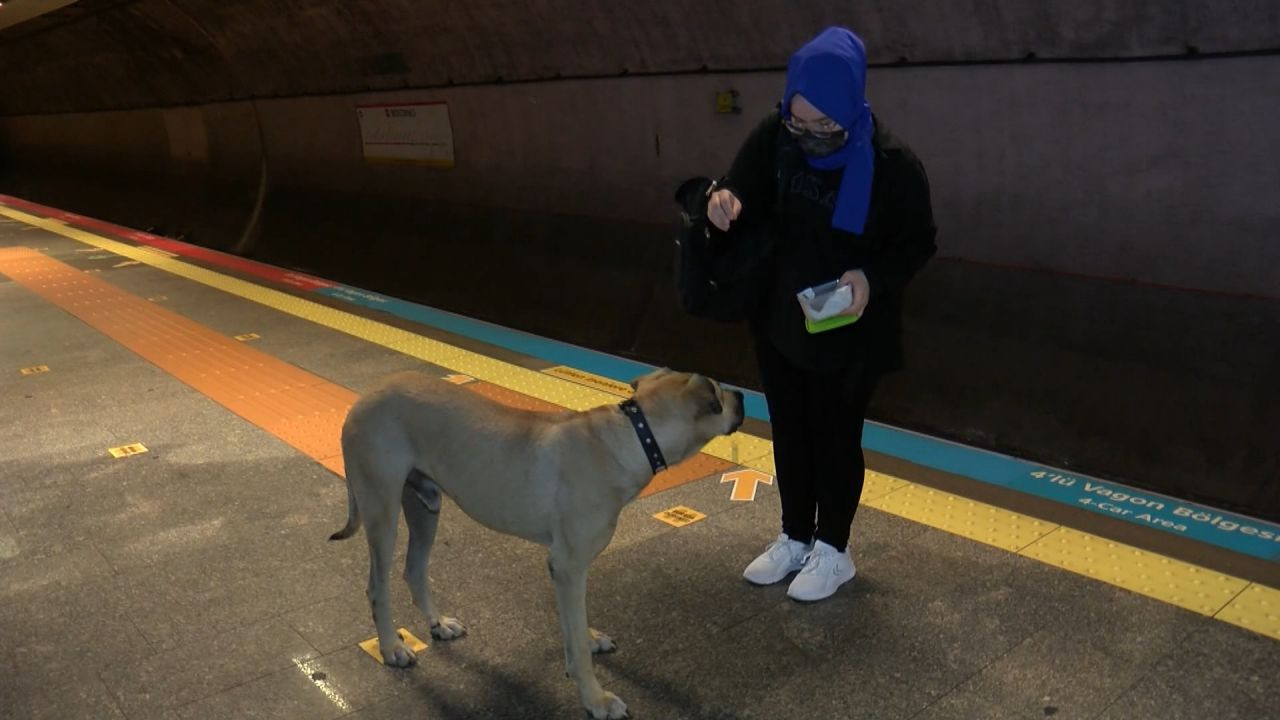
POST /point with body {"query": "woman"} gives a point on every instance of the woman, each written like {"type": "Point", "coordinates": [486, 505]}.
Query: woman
{"type": "Point", "coordinates": [844, 200]}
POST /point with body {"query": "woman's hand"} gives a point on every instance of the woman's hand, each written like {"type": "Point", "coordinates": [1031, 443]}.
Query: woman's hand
{"type": "Point", "coordinates": [723, 208]}
{"type": "Point", "coordinates": [857, 280]}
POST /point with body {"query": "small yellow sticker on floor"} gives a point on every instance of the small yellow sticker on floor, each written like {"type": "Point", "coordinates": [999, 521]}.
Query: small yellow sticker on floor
{"type": "Point", "coordinates": [248, 336]}
{"type": "Point", "coordinates": [35, 370]}
{"type": "Point", "coordinates": [413, 643]}
{"type": "Point", "coordinates": [679, 516]}
{"type": "Point", "coordinates": [457, 379]}
{"type": "Point", "coordinates": [127, 450]}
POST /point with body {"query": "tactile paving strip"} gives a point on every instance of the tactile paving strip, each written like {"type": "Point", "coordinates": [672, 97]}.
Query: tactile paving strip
{"type": "Point", "coordinates": [1250, 605]}
{"type": "Point", "coordinates": [1172, 581]}
{"type": "Point", "coordinates": [1257, 608]}
{"type": "Point", "coordinates": [962, 516]}
{"type": "Point", "coordinates": [302, 409]}
{"type": "Point", "coordinates": [739, 448]}
{"type": "Point", "coordinates": [876, 485]}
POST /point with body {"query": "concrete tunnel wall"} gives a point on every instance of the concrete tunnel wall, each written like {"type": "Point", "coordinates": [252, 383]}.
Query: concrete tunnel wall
{"type": "Point", "coordinates": [1162, 172]}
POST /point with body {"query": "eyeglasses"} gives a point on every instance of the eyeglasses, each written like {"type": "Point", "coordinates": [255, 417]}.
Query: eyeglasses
{"type": "Point", "coordinates": [823, 128]}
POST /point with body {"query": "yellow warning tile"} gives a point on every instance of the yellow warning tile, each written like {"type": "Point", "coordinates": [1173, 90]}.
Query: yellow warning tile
{"type": "Point", "coordinates": [742, 449]}
{"type": "Point", "coordinates": [876, 485]}
{"type": "Point", "coordinates": [248, 336]}
{"type": "Point", "coordinates": [763, 463]}
{"type": "Point", "coordinates": [34, 370]}
{"type": "Point", "coordinates": [372, 647]}
{"type": "Point", "coordinates": [679, 516]}
{"type": "Point", "coordinates": [1146, 573]}
{"type": "Point", "coordinates": [127, 450]}
{"type": "Point", "coordinates": [962, 516]}
{"type": "Point", "coordinates": [1256, 609]}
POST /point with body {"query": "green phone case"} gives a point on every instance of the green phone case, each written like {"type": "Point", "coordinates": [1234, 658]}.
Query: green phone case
{"type": "Point", "coordinates": [830, 323]}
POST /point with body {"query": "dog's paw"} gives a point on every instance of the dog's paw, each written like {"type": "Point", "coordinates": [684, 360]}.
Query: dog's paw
{"type": "Point", "coordinates": [608, 707]}
{"type": "Point", "coordinates": [601, 643]}
{"type": "Point", "coordinates": [397, 655]}
{"type": "Point", "coordinates": [448, 629]}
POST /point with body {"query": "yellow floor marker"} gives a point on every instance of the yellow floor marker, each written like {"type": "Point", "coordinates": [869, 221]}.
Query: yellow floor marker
{"type": "Point", "coordinates": [127, 450]}
{"type": "Point", "coordinates": [679, 516]}
{"type": "Point", "coordinates": [35, 370]}
{"type": "Point", "coordinates": [745, 483]}
{"type": "Point", "coordinates": [248, 336]}
{"type": "Point", "coordinates": [372, 647]}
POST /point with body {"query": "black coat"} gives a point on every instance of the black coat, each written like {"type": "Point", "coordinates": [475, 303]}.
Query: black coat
{"type": "Point", "coordinates": [782, 195]}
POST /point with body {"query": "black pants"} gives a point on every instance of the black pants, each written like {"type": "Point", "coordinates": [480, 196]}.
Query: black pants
{"type": "Point", "coordinates": [817, 444]}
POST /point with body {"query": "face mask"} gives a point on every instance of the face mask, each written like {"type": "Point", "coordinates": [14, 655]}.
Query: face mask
{"type": "Point", "coordinates": [819, 146]}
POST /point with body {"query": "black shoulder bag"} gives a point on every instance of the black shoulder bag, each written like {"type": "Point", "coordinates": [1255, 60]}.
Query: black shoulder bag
{"type": "Point", "coordinates": [721, 276]}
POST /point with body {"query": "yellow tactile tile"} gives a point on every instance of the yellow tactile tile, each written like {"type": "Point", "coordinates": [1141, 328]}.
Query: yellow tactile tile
{"type": "Point", "coordinates": [876, 485]}
{"type": "Point", "coordinates": [741, 449]}
{"type": "Point", "coordinates": [1257, 608]}
{"type": "Point", "coordinates": [764, 463]}
{"type": "Point", "coordinates": [1146, 573]}
{"type": "Point", "coordinates": [962, 516]}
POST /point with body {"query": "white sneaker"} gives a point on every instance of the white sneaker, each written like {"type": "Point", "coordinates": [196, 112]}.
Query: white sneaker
{"type": "Point", "coordinates": [825, 569]}
{"type": "Point", "coordinates": [783, 557]}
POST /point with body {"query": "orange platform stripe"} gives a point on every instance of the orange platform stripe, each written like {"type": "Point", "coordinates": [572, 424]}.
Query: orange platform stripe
{"type": "Point", "coordinates": [302, 409]}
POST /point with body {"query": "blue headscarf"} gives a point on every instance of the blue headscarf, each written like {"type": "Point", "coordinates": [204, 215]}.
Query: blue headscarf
{"type": "Point", "coordinates": [831, 73]}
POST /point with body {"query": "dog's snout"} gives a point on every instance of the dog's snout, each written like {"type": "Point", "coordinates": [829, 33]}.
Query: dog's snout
{"type": "Point", "coordinates": [741, 411]}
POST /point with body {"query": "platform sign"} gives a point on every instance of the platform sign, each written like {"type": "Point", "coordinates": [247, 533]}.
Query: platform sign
{"type": "Point", "coordinates": [407, 132]}
{"type": "Point", "coordinates": [591, 380]}
{"type": "Point", "coordinates": [1251, 536]}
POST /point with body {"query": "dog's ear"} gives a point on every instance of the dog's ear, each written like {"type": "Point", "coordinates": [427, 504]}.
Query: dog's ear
{"type": "Point", "coordinates": [705, 391]}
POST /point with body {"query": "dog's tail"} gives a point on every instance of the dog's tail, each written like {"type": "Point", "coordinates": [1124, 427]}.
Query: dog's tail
{"type": "Point", "coordinates": [353, 517]}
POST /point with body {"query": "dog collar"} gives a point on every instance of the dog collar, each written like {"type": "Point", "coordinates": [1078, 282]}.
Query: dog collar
{"type": "Point", "coordinates": [647, 440]}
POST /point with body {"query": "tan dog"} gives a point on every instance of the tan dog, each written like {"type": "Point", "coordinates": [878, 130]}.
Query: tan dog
{"type": "Point", "coordinates": [558, 479]}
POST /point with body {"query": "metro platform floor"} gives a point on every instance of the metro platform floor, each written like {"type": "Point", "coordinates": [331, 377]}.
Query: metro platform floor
{"type": "Point", "coordinates": [191, 579]}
